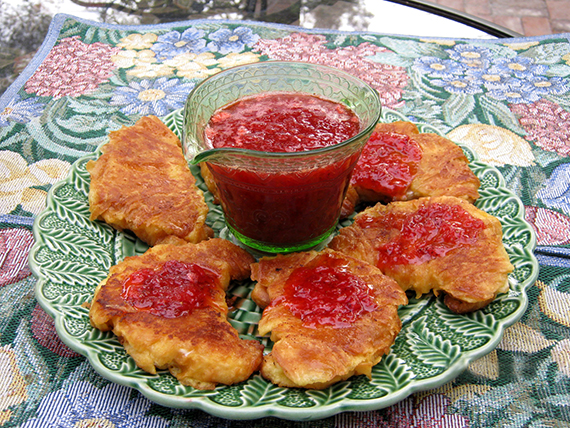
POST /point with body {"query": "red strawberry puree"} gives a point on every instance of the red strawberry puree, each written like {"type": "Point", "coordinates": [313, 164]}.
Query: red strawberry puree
{"type": "Point", "coordinates": [282, 207]}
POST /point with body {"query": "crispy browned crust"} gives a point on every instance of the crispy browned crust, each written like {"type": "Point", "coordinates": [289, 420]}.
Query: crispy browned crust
{"type": "Point", "coordinates": [398, 127]}
{"type": "Point", "coordinates": [318, 357]}
{"type": "Point", "coordinates": [142, 183]}
{"type": "Point", "coordinates": [471, 276]}
{"type": "Point", "coordinates": [442, 171]}
{"type": "Point", "coordinates": [209, 181]}
{"type": "Point", "coordinates": [349, 202]}
{"type": "Point", "coordinates": [201, 349]}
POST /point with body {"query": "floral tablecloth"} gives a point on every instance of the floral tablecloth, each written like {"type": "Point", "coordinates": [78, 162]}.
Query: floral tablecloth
{"type": "Point", "coordinates": [508, 100]}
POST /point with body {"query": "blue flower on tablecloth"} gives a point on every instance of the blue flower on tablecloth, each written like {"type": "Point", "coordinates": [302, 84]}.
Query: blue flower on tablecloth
{"type": "Point", "coordinates": [437, 67]}
{"type": "Point", "coordinates": [226, 41]}
{"type": "Point", "coordinates": [158, 97]}
{"type": "Point", "coordinates": [84, 405]}
{"type": "Point", "coordinates": [175, 43]}
{"type": "Point", "coordinates": [459, 85]}
{"type": "Point", "coordinates": [515, 91]}
{"type": "Point", "coordinates": [21, 111]}
{"type": "Point", "coordinates": [520, 66]}
{"type": "Point", "coordinates": [490, 78]}
{"type": "Point", "coordinates": [556, 190]}
{"type": "Point", "coordinates": [546, 86]}
{"type": "Point", "coordinates": [470, 55]}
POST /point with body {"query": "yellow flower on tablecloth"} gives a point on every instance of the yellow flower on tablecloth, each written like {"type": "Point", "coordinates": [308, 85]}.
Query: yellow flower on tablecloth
{"type": "Point", "coordinates": [206, 58]}
{"type": "Point", "coordinates": [521, 46]}
{"type": "Point", "coordinates": [33, 200]}
{"type": "Point", "coordinates": [145, 57]}
{"type": "Point", "coordinates": [194, 66]}
{"type": "Point", "coordinates": [494, 145]}
{"type": "Point", "coordinates": [138, 41]}
{"type": "Point", "coordinates": [554, 304]}
{"type": "Point", "coordinates": [150, 70]}
{"type": "Point", "coordinates": [521, 338]}
{"type": "Point", "coordinates": [12, 171]}
{"type": "Point", "coordinates": [196, 70]}
{"type": "Point", "coordinates": [454, 393]}
{"type": "Point", "coordinates": [487, 366]}
{"type": "Point", "coordinates": [12, 384]}
{"type": "Point", "coordinates": [234, 59]}
{"type": "Point", "coordinates": [125, 58]}
{"type": "Point", "coordinates": [145, 63]}
{"type": "Point", "coordinates": [49, 171]}
{"type": "Point", "coordinates": [128, 58]}
{"type": "Point", "coordinates": [561, 354]}
{"type": "Point", "coordinates": [17, 179]}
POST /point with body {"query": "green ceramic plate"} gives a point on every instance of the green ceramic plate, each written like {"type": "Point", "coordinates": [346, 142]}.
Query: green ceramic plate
{"type": "Point", "coordinates": [73, 254]}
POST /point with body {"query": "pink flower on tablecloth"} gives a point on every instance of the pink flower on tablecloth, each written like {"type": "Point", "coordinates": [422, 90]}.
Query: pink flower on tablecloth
{"type": "Point", "coordinates": [388, 80]}
{"type": "Point", "coordinates": [14, 247]}
{"type": "Point", "coordinates": [43, 329]}
{"type": "Point", "coordinates": [546, 124]}
{"type": "Point", "coordinates": [551, 227]}
{"type": "Point", "coordinates": [72, 68]}
{"type": "Point", "coordinates": [294, 47]}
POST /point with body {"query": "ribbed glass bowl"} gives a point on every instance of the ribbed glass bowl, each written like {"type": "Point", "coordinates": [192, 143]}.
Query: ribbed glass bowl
{"type": "Point", "coordinates": [264, 195]}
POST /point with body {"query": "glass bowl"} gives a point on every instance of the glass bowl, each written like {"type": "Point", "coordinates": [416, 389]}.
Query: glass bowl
{"type": "Point", "coordinates": [279, 202]}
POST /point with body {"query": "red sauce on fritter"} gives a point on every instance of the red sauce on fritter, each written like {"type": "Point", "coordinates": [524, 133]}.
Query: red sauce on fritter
{"type": "Point", "coordinates": [388, 164]}
{"type": "Point", "coordinates": [430, 232]}
{"type": "Point", "coordinates": [282, 122]}
{"type": "Point", "coordinates": [173, 290]}
{"type": "Point", "coordinates": [327, 295]}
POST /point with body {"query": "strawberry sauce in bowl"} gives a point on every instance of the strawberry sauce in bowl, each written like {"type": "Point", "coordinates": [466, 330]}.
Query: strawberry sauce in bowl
{"type": "Point", "coordinates": [281, 140]}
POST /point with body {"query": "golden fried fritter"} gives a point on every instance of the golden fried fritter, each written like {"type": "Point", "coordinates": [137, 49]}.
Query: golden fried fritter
{"type": "Point", "coordinates": [168, 309]}
{"type": "Point", "coordinates": [442, 243]}
{"type": "Point", "coordinates": [349, 202]}
{"type": "Point", "coordinates": [398, 127]}
{"type": "Point", "coordinates": [443, 170]}
{"type": "Point", "coordinates": [142, 183]}
{"type": "Point", "coordinates": [398, 163]}
{"type": "Point", "coordinates": [209, 181]}
{"type": "Point", "coordinates": [330, 317]}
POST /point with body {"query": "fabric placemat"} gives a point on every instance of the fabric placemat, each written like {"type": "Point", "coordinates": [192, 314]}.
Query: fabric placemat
{"type": "Point", "coordinates": [506, 99]}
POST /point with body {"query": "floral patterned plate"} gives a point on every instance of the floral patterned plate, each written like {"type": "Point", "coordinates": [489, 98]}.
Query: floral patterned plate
{"type": "Point", "coordinates": [72, 255]}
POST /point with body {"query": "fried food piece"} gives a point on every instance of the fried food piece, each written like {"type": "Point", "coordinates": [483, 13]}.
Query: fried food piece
{"type": "Point", "coordinates": [398, 163]}
{"type": "Point", "coordinates": [330, 317]}
{"type": "Point", "coordinates": [209, 181]}
{"type": "Point", "coordinates": [398, 127]}
{"type": "Point", "coordinates": [443, 170]}
{"type": "Point", "coordinates": [142, 183]}
{"type": "Point", "coordinates": [349, 202]}
{"type": "Point", "coordinates": [443, 243]}
{"type": "Point", "coordinates": [168, 309]}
